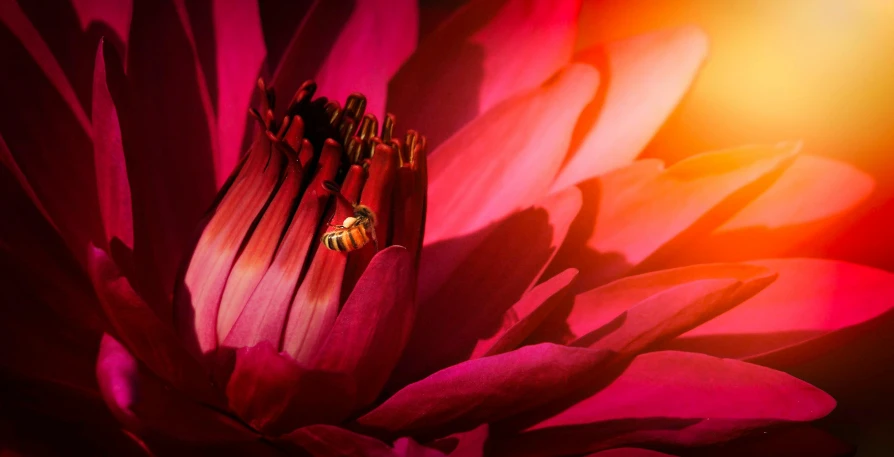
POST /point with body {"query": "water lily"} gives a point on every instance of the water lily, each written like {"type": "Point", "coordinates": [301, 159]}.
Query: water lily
{"type": "Point", "coordinates": [532, 288]}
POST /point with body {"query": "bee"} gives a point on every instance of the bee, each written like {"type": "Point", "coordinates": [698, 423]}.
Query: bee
{"type": "Point", "coordinates": [354, 233]}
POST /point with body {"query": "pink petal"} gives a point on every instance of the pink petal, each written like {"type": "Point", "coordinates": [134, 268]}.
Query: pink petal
{"type": "Point", "coordinates": [197, 300]}
{"type": "Point", "coordinates": [394, 26]}
{"type": "Point", "coordinates": [484, 54]}
{"type": "Point", "coordinates": [263, 316]}
{"type": "Point", "coordinates": [469, 444]}
{"type": "Point", "coordinates": [799, 212]}
{"type": "Point", "coordinates": [643, 207]}
{"type": "Point", "coordinates": [526, 314]}
{"type": "Point", "coordinates": [275, 394]}
{"type": "Point", "coordinates": [239, 53]}
{"type": "Point", "coordinates": [505, 159]}
{"type": "Point", "coordinates": [147, 337]}
{"type": "Point", "coordinates": [331, 441]}
{"type": "Point", "coordinates": [112, 184]}
{"type": "Point", "coordinates": [631, 314]}
{"type": "Point", "coordinates": [646, 77]}
{"type": "Point", "coordinates": [629, 452]}
{"type": "Point", "coordinates": [484, 390]}
{"type": "Point", "coordinates": [143, 403]}
{"type": "Point", "coordinates": [169, 136]}
{"type": "Point", "coordinates": [467, 284]}
{"type": "Point", "coordinates": [372, 328]}
{"type": "Point", "coordinates": [48, 134]}
{"type": "Point", "coordinates": [797, 440]}
{"type": "Point", "coordinates": [113, 13]}
{"type": "Point", "coordinates": [804, 312]}
{"type": "Point", "coordinates": [677, 398]}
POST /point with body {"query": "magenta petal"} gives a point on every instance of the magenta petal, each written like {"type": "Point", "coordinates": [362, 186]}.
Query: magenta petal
{"type": "Point", "coordinates": [679, 300]}
{"type": "Point", "coordinates": [373, 326]}
{"type": "Point", "coordinates": [394, 25]}
{"type": "Point", "coordinates": [484, 390]}
{"type": "Point", "coordinates": [629, 452]}
{"type": "Point", "coordinates": [677, 398]}
{"type": "Point", "coordinates": [273, 393]}
{"type": "Point", "coordinates": [793, 441]}
{"type": "Point", "coordinates": [137, 326]}
{"type": "Point", "coordinates": [240, 52]}
{"type": "Point", "coordinates": [112, 184]}
{"type": "Point", "coordinates": [331, 441]}
{"type": "Point", "coordinates": [806, 310]}
{"type": "Point", "coordinates": [467, 284]}
{"type": "Point", "coordinates": [114, 13]}
{"type": "Point", "coordinates": [646, 77]}
{"type": "Point", "coordinates": [526, 314]}
{"type": "Point", "coordinates": [643, 207]}
{"type": "Point", "coordinates": [144, 404]}
{"type": "Point", "coordinates": [505, 159]}
{"type": "Point", "coordinates": [485, 53]}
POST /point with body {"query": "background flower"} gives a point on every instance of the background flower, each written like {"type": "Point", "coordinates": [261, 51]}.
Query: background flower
{"type": "Point", "coordinates": [515, 119]}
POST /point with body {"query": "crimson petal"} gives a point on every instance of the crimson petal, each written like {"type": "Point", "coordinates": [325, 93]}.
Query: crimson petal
{"type": "Point", "coordinates": [676, 398]}
{"type": "Point", "coordinates": [331, 441]}
{"type": "Point", "coordinates": [482, 55]}
{"type": "Point", "coordinates": [484, 390]}
{"type": "Point", "coordinates": [813, 305]}
{"type": "Point", "coordinates": [143, 403]}
{"type": "Point", "coordinates": [372, 328]}
{"type": "Point", "coordinates": [629, 452]}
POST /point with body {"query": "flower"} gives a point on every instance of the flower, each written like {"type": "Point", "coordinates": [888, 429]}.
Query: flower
{"type": "Point", "coordinates": [553, 307]}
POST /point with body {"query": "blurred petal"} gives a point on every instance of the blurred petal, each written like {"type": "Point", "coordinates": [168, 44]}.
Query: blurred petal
{"type": "Point", "coordinates": [240, 52]}
{"type": "Point", "coordinates": [372, 328]}
{"type": "Point", "coordinates": [484, 390]}
{"type": "Point", "coordinates": [143, 403]}
{"type": "Point", "coordinates": [630, 314]}
{"type": "Point", "coordinates": [506, 158]}
{"type": "Point", "coordinates": [147, 337]}
{"type": "Point", "coordinates": [645, 77]}
{"type": "Point", "coordinates": [526, 314]}
{"type": "Point", "coordinates": [481, 56]}
{"type": "Point", "coordinates": [801, 209]}
{"type": "Point", "coordinates": [275, 394]}
{"type": "Point", "coordinates": [629, 452]}
{"type": "Point", "coordinates": [797, 316]}
{"type": "Point", "coordinates": [792, 441]}
{"type": "Point", "coordinates": [377, 39]}
{"type": "Point", "coordinates": [331, 441]}
{"type": "Point", "coordinates": [467, 284]}
{"type": "Point", "coordinates": [116, 14]}
{"type": "Point", "coordinates": [112, 184]}
{"type": "Point", "coordinates": [676, 398]}
{"type": "Point", "coordinates": [643, 207]}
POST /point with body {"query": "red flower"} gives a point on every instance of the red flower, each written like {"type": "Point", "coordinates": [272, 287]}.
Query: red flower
{"type": "Point", "coordinates": [553, 307]}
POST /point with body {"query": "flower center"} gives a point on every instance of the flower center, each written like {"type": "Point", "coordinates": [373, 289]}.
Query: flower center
{"type": "Point", "coordinates": [292, 230]}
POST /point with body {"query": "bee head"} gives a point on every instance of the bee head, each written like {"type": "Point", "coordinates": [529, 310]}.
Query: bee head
{"type": "Point", "coordinates": [365, 211]}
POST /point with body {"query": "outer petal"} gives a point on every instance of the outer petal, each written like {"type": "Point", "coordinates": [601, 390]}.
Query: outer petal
{"type": "Point", "coordinates": [629, 452]}
{"type": "Point", "coordinates": [375, 42]}
{"type": "Point", "coordinates": [112, 184]}
{"type": "Point", "coordinates": [372, 328]}
{"type": "Point", "coordinates": [645, 77]}
{"type": "Point", "coordinates": [484, 390]}
{"type": "Point", "coordinates": [676, 398]}
{"type": "Point", "coordinates": [505, 159]}
{"type": "Point", "coordinates": [116, 14]}
{"type": "Point", "coordinates": [147, 337]}
{"type": "Point", "coordinates": [794, 441]}
{"type": "Point", "coordinates": [331, 441]}
{"type": "Point", "coordinates": [275, 394]}
{"type": "Point", "coordinates": [642, 208]}
{"type": "Point", "coordinates": [800, 212]}
{"type": "Point", "coordinates": [662, 304]}
{"type": "Point", "coordinates": [467, 284]}
{"type": "Point", "coordinates": [485, 53]}
{"type": "Point", "coordinates": [812, 302]}
{"type": "Point", "coordinates": [240, 52]}
{"type": "Point", "coordinates": [144, 404]}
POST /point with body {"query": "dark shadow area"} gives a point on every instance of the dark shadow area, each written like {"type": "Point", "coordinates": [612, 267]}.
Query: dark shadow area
{"type": "Point", "coordinates": [589, 117]}
{"type": "Point", "coordinates": [476, 279]}
{"type": "Point", "coordinates": [279, 21]}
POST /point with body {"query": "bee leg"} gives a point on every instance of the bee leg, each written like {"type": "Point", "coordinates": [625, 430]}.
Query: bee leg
{"type": "Point", "coordinates": [375, 240]}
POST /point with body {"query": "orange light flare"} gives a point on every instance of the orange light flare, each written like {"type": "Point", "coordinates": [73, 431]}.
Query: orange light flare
{"type": "Point", "coordinates": [821, 71]}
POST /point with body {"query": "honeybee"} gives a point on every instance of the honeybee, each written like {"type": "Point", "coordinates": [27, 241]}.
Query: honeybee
{"type": "Point", "coordinates": [354, 233]}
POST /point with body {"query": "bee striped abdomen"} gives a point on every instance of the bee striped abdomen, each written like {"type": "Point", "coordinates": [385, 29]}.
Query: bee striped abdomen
{"type": "Point", "coordinates": [347, 239]}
